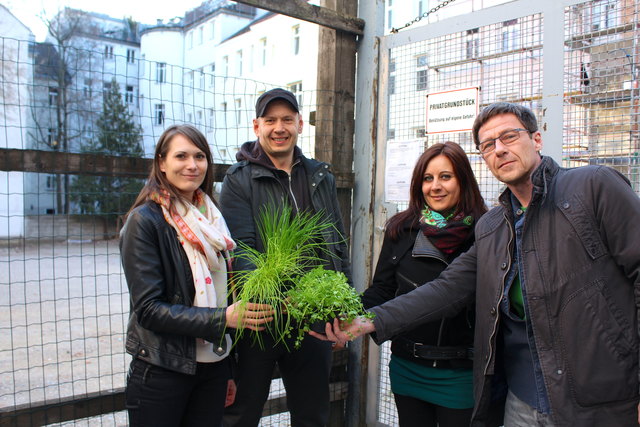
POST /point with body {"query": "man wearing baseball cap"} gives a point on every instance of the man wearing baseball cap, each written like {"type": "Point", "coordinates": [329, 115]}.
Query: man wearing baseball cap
{"type": "Point", "coordinates": [273, 170]}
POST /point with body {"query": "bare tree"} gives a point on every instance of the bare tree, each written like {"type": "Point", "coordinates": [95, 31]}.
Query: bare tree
{"type": "Point", "coordinates": [63, 106]}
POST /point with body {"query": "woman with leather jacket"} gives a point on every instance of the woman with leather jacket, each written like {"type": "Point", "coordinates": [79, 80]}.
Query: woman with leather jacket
{"type": "Point", "coordinates": [430, 367]}
{"type": "Point", "coordinates": [175, 249]}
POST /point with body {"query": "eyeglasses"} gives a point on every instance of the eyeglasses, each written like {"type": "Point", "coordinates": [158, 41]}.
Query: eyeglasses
{"type": "Point", "coordinates": [507, 137]}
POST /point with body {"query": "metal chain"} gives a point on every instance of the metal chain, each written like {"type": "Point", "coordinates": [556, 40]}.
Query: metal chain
{"type": "Point", "coordinates": [421, 17]}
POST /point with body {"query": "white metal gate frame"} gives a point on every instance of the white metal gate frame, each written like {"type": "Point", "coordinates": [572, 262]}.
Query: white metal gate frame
{"type": "Point", "coordinates": [372, 110]}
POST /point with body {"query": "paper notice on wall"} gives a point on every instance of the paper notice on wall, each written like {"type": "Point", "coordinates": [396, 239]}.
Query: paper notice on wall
{"type": "Point", "coordinates": [401, 158]}
{"type": "Point", "coordinates": [452, 111]}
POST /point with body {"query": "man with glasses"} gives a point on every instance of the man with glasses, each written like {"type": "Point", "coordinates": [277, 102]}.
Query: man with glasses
{"type": "Point", "coordinates": [555, 273]}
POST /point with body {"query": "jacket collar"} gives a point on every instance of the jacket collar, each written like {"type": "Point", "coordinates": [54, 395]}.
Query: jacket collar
{"type": "Point", "coordinates": [424, 247]}
{"type": "Point", "coordinates": [541, 177]}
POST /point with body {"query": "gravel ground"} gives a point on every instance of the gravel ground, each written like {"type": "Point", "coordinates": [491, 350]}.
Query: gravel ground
{"type": "Point", "coordinates": [63, 312]}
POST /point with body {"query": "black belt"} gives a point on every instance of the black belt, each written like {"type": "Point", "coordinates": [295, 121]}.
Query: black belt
{"type": "Point", "coordinates": [432, 352]}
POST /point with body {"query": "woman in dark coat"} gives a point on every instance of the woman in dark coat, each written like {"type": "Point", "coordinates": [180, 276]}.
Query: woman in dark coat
{"type": "Point", "coordinates": [430, 367]}
{"type": "Point", "coordinates": [175, 248]}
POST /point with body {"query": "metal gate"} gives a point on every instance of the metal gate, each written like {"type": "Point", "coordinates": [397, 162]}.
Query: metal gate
{"type": "Point", "coordinates": [575, 64]}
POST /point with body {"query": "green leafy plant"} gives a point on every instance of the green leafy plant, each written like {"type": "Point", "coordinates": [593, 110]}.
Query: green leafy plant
{"type": "Point", "coordinates": [319, 297]}
{"type": "Point", "coordinates": [293, 244]}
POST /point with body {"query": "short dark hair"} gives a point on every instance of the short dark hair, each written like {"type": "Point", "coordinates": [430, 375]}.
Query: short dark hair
{"type": "Point", "coordinates": [524, 115]}
{"type": "Point", "coordinates": [157, 179]}
{"type": "Point", "coordinates": [471, 201]}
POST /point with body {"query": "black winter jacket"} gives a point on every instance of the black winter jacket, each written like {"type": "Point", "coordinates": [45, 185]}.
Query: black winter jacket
{"type": "Point", "coordinates": [581, 259]}
{"type": "Point", "coordinates": [248, 186]}
{"type": "Point", "coordinates": [163, 324]}
{"type": "Point", "coordinates": [403, 265]}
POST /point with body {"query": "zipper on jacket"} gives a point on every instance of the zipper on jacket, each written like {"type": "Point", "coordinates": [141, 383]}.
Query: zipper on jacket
{"type": "Point", "coordinates": [415, 285]}
{"type": "Point", "coordinates": [406, 279]}
{"type": "Point", "coordinates": [435, 362]}
{"type": "Point", "coordinates": [436, 257]}
{"type": "Point", "coordinates": [495, 324]}
{"type": "Point", "coordinates": [293, 197]}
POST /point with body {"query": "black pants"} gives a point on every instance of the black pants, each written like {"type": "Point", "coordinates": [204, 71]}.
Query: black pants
{"type": "Point", "coordinates": [158, 397]}
{"type": "Point", "coordinates": [414, 412]}
{"type": "Point", "coordinates": [305, 374]}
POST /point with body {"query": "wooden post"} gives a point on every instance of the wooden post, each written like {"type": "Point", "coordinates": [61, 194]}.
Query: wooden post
{"type": "Point", "coordinates": [336, 100]}
{"type": "Point", "coordinates": [335, 122]}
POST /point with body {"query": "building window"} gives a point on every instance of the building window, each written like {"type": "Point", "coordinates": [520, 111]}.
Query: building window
{"type": "Point", "coordinates": [53, 96]}
{"type": "Point", "coordinates": [603, 15]}
{"type": "Point", "coordinates": [421, 61]}
{"type": "Point", "coordinates": [213, 74]}
{"type": "Point", "coordinates": [161, 72]}
{"type": "Point", "coordinates": [225, 65]}
{"type": "Point", "coordinates": [239, 62]}
{"type": "Point", "coordinates": [238, 103]}
{"type": "Point", "coordinates": [51, 138]}
{"type": "Point", "coordinates": [263, 51]}
{"type": "Point", "coordinates": [199, 117]}
{"type": "Point", "coordinates": [131, 56]}
{"type": "Point", "coordinates": [211, 116]}
{"type": "Point", "coordinates": [422, 80]}
{"type": "Point", "coordinates": [106, 87]}
{"type": "Point", "coordinates": [212, 30]}
{"type": "Point", "coordinates": [108, 52]}
{"type": "Point", "coordinates": [200, 35]}
{"type": "Point", "coordinates": [421, 132]}
{"type": "Point", "coordinates": [51, 182]}
{"type": "Point", "coordinates": [392, 85]}
{"type": "Point", "coordinates": [473, 47]}
{"type": "Point", "coordinates": [420, 7]}
{"type": "Point", "coordinates": [86, 88]}
{"type": "Point", "coordinates": [296, 39]}
{"type": "Point", "coordinates": [389, 17]}
{"type": "Point", "coordinates": [223, 107]}
{"type": "Point", "coordinates": [128, 96]}
{"type": "Point", "coordinates": [159, 115]}
{"type": "Point", "coordinates": [510, 35]}
{"type": "Point", "coordinates": [296, 89]}
{"type": "Point", "coordinates": [201, 79]}
{"type": "Point", "coordinates": [190, 40]}
{"type": "Point", "coordinates": [391, 134]}
{"type": "Point", "coordinates": [473, 44]}
{"type": "Point", "coordinates": [189, 82]}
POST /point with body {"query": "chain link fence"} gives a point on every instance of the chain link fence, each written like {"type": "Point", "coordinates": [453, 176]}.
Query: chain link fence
{"type": "Point", "coordinates": [64, 301]}
{"type": "Point", "coordinates": [501, 51]}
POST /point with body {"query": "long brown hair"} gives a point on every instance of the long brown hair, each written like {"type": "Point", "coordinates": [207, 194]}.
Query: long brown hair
{"type": "Point", "coordinates": [471, 201]}
{"type": "Point", "coordinates": [157, 179]}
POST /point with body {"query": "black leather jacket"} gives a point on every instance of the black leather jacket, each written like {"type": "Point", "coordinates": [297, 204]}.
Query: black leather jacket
{"type": "Point", "coordinates": [163, 324]}
{"type": "Point", "coordinates": [405, 264]}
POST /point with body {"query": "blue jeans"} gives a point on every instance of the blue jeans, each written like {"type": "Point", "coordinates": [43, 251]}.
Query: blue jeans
{"type": "Point", "coordinates": [519, 414]}
{"type": "Point", "coordinates": [159, 397]}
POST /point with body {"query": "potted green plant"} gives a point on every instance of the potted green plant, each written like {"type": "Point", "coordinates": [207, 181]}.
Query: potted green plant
{"type": "Point", "coordinates": [293, 244]}
{"type": "Point", "coordinates": [320, 296]}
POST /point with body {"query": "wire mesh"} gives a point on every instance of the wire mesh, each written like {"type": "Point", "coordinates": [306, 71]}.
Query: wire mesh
{"type": "Point", "coordinates": [505, 61]}
{"type": "Point", "coordinates": [63, 298]}
{"type": "Point", "coordinates": [601, 80]}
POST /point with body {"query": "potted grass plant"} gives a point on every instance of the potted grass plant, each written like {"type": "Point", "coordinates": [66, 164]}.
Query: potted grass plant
{"type": "Point", "coordinates": [292, 245]}
{"type": "Point", "coordinates": [320, 296]}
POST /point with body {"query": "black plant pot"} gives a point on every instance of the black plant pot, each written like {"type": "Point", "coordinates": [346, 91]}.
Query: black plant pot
{"type": "Point", "coordinates": [319, 326]}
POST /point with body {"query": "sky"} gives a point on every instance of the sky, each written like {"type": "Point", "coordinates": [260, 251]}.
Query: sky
{"type": "Point", "coordinates": [145, 11]}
